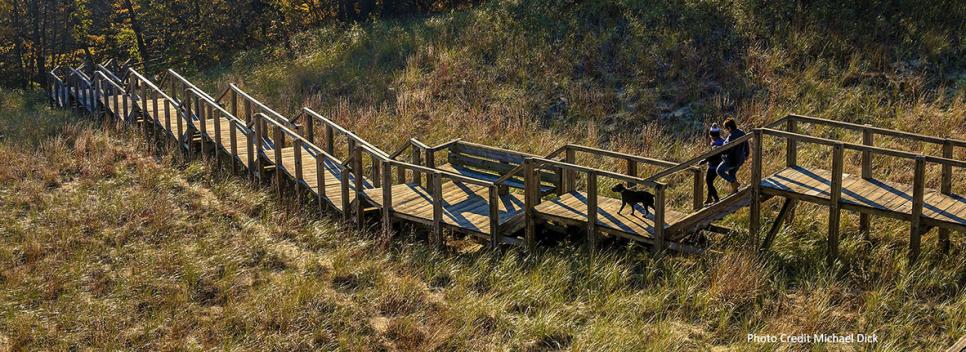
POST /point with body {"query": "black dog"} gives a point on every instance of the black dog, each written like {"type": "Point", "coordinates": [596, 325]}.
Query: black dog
{"type": "Point", "coordinates": [629, 196]}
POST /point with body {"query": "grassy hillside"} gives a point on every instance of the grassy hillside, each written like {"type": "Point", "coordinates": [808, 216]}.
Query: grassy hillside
{"type": "Point", "coordinates": [107, 242]}
{"type": "Point", "coordinates": [104, 246]}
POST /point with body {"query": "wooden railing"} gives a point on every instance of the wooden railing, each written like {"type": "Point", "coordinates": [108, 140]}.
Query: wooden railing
{"type": "Point", "coordinates": [632, 163]}
{"type": "Point", "coordinates": [435, 179]}
{"type": "Point", "coordinates": [207, 109]}
{"type": "Point", "coordinates": [283, 136]}
{"type": "Point", "coordinates": [790, 123]}
{"type": "Point", "coordinates": [143, 89]}
{"type": "Point", "coordinates": [834, 203]}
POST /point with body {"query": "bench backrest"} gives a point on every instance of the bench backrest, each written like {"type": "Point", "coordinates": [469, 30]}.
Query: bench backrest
{"type": "Point", "coordinates": [494, 161]}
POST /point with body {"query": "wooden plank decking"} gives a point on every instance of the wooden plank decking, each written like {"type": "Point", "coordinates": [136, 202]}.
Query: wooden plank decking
{"type": "Point", "coordinates": [871, 195]}
{"type": "Point", "coordinates": [332, 176]}
{"type": "Point", "coordinates": [465, 206]}
{"type": "Point", "coordinates": [571, 208]}
{"type": "Point", "coordinates": [241, 139]}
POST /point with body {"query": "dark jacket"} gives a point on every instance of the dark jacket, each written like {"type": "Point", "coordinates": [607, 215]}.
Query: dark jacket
{"type": "Point", "coordinates": [714, 160]}
{"type": "Point", "coordinates": [740, 153]}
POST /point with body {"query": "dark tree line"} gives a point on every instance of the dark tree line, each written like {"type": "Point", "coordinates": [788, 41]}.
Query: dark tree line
{"type": "Point", "coordinates": [36, 35]}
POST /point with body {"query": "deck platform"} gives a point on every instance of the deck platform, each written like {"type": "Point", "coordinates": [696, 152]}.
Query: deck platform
{"type": "Point", "coordinates": [868, 195]}
{"type": "Point", "coordinates": [465, 206]}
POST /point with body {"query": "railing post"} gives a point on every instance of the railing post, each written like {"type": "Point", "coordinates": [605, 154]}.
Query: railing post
{"type": "Point", "coordinates": [248, 111]}
{"type": "Point", "coordinates": [358, 176]}
{"type": "Point", "coordinates": [631, 170]}
{"type": "Point", "coordinates": [216, 120]}
{"type": "Point", "coordinates": [329, 140]}
{"type": "Point", "coordinates": [344, 188]}
{"type": "Point", "coordinates": [437, 192]}
{"type": "Point", "coordinates": [835, 197]}
{"type": "Point", "coordinates": [569, 176]}
{"type": "Point", "coordinates": [95, 96]}
{"type": "Point", "coordinates": [417, 177]}
{"type": "Point", "coordinates": [496, 237]}
{"type": "Point", "coordinates": [233, 147]}
{"type": "Point", "coordinates": [279, 145]}
{"type": "Point", "coordinates": [259, 137]}
{"type": "Point", "coordinates": [387, 199]}
{"type": "Point", "coordinates": [309, 128]}
{"type": "Point", "coordinates": [946, 187]}
{"type": "Point", "coordinates": [918, 193]}
{"type": "Point", "coordinates": [754, 209]}
{"type": "Point", "coordinates": [320, 180]}
{"type": "Point", "coordinates": [591, 213]}
{"type": "Point", "coordinates": [145, 115]}
{"type": "Point", "coordinates": [659, 212]}
{"type": "Point", "coordinates": [167, 118]}
{"type": "Point", "coordinates": [297, 150]}
{"type": "Point", "coordinates": [376, 171]}
{"type": "Point", "coordinates": [791, 157]}
{"type": "Point", "coordinates": [698, 189]}
{"type": "Point", "coordinates": [154, 104]}
{"type": "Point", "coordinates": [203, 114]}
{"type": "Point", "coordinates": [529, 201]}
{"type": "Point", "coordinates": [234, 103]}
{"type": "Point", "coordinates": [124, 105]}
{"type": "Point", "coordinates": [868, 140]}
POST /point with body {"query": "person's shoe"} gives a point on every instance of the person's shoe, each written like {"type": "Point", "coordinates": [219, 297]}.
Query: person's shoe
{"type": "Point", "coordinates": [734, 187]}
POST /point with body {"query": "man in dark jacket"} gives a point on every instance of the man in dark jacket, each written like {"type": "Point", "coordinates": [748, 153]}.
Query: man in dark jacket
{"type": "Point", "coordinates": [734, 157]}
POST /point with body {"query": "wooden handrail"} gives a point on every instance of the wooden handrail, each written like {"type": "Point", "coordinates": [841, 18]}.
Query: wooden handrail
{"type": "Point", "coordinates": [619, 155]}
{"type": "Point", "coordinates": [372, 149]}
{"type": "Point", "coordinates": [112, 75]}
{"type": "Point", "coordinates": [309, 146]}
{"type": "Point", "coordinates": [154, 87]}
{"type": "Point", "coordinates": [207, 99]}
{"type": "Point", "coordinates": [251, 99]}
{"type": "Point", "coordinates": [864, 148]}
{"type": "Point", "coordinates": [188, 83]}
{"type": "Point", "coordinates": [541, 162]}
{"type": "Point", "coordinates": [446, 144]}
{"type": "Point", "coordinates": [698, 159]}
{"type": "Point", "coordinates": [878, 130]}
{"type": "Point", "coordinates": [427, 170]}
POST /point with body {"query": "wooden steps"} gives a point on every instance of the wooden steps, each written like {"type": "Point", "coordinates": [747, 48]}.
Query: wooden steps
{"type": "Point", "coordinates": [465, 206]}
{"type": "Point", "coordinates": [571, 208]}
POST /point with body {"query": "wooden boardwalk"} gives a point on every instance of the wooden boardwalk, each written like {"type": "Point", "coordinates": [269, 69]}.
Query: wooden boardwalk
{"type": "Point", "coordinates": [571, 208]}
{"type": "Point", "coordinates": [465, 206]}
{"type": "Point", "coordinates": [868, 195]}
{"type": "Point", "coordinates": [331, 180]}
{"type": "Point", "coordinates": [504, 196]}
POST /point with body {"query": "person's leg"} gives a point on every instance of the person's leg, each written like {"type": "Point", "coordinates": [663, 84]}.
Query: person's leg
{"type": "Point", "coordinates": [709, 181]}
{"type": "Point", "coordinates": [724, 171]}
{"type": "Point", "coordinates": [729, 172]}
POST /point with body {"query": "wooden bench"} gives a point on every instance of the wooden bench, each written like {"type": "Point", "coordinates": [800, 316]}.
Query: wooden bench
{"type": "Point", "coordinates": [489, 164]}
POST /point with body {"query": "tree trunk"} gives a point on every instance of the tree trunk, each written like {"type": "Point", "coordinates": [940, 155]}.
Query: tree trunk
{"type": "Point", "coordinates": [40, 64]}
{"type": "Point", "coordinates": [18, 46]}
{"type": "Point", "coordinates": [138, 34]}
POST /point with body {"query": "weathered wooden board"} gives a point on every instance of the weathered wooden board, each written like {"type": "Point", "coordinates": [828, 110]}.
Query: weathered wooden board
{"type": "Point", "coordinates": [875, 195]}
{"type": "Point", "coordinates": [332, 176]}
{"type": "Point", "coordinates": [465, 207]}
{"type": "Point", "coordinates": [573, 206]}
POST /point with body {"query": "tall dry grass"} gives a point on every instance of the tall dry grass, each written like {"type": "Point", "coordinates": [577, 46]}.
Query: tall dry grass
{"type": "Point", "coordinates": [103, 246]}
